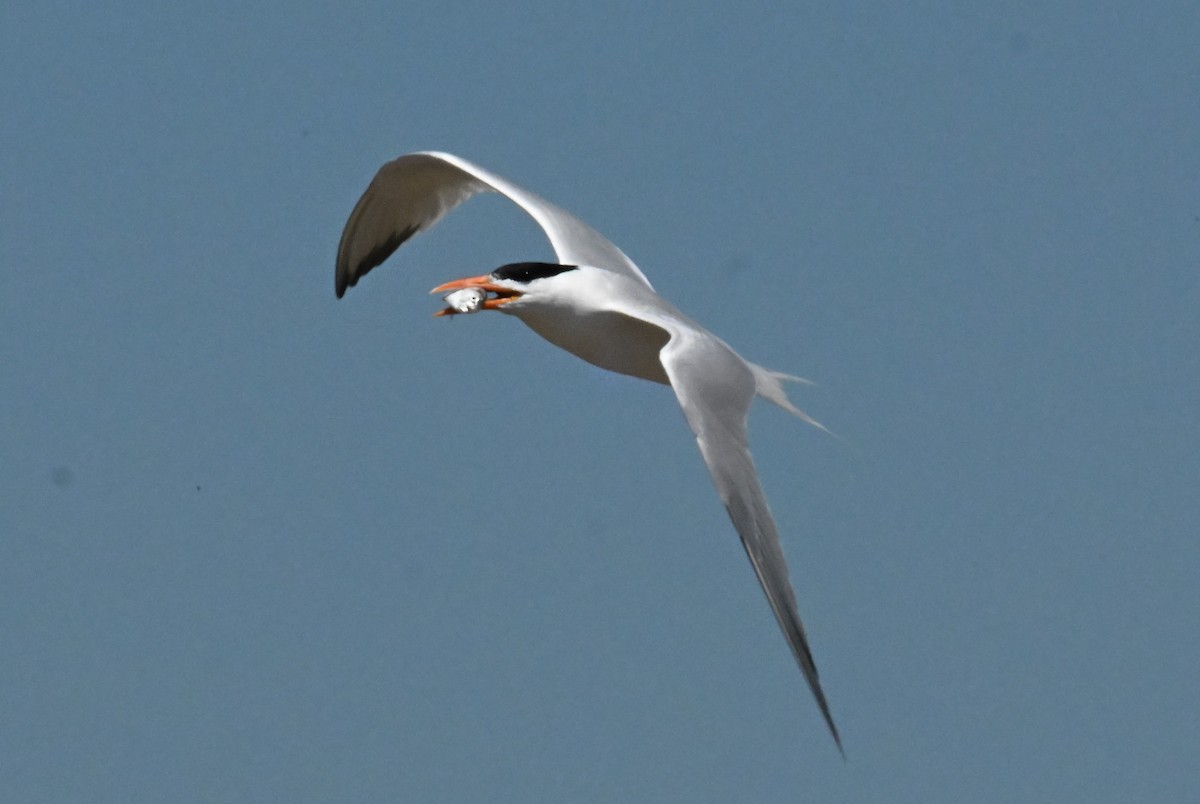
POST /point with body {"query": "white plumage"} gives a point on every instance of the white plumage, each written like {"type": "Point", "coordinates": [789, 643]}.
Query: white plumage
{"type": "Point", "coordinates": [596, 304]}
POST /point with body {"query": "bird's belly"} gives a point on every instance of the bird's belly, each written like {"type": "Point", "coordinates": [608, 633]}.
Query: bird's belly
{"type": "Point", "coordinates": [612, 341]}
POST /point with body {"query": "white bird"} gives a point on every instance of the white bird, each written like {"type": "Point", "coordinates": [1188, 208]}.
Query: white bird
{"type": "Point", "coordinates": [596, 304]}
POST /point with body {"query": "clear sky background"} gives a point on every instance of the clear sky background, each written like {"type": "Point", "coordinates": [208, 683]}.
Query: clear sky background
{"type": "Point", "coordinates": [258, 544]}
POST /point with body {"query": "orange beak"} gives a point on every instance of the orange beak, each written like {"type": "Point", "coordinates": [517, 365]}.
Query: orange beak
{"type": "Point", "coordinates": [485, 283]}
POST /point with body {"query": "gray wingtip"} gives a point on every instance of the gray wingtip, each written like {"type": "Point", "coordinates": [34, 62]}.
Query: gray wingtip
{"type": "Point", "coordinates": [347, 275]}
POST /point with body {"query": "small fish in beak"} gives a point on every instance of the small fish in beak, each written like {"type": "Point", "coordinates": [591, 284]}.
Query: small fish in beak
{"type": "Point", "coordinates": [465, 300]}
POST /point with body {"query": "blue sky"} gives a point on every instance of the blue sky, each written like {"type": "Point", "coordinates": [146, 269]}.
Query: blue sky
{"type": "Point", "coordinates": [260, 544]}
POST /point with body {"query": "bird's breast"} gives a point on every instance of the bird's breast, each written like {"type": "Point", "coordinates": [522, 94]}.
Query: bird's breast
{"type": "Point", "coordinates": [610, 340]}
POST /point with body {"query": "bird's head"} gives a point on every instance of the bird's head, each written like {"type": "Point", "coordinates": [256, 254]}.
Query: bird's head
{"type": "Point", "coordinates": [515, 284]}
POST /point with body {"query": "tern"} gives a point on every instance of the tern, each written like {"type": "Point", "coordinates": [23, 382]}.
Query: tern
{"type": "Point", "coordinates": [597, 305]}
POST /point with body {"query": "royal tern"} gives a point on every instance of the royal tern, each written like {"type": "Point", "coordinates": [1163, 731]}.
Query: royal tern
{"type": "Point", "coordinates": [596, 304]}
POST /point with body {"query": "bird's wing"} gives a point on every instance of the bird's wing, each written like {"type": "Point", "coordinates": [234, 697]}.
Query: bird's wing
{"type": "Point", "coordinates": [412, 193]}
{"type": "Point", "coordinates": [715, 388]}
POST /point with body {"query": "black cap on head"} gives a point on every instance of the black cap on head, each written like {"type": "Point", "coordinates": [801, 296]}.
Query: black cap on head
{"type": "Point", "coordinates": [526, 272]}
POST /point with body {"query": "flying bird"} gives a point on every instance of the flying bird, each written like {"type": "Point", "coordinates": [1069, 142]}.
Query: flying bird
{"type": "Point", "coordinates": [596, 304]}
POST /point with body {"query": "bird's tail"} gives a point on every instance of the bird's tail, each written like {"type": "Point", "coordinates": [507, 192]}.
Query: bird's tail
{"type": "Point", "coordinates": [769, 385]}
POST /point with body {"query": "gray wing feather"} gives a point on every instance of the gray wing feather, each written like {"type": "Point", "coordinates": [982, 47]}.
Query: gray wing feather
{"type": "Point", "coordinates": [410, 194]}
{"type": "Point", "coordinates": [715, 388]}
